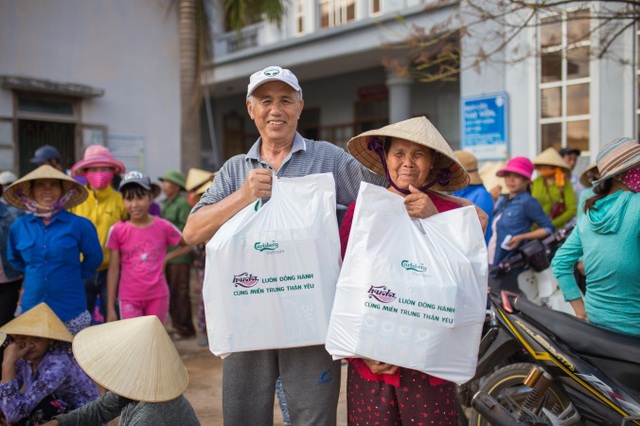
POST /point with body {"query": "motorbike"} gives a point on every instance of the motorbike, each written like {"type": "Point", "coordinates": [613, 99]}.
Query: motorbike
{"type": "Point", "coordinates": [537, 282]}
{"type": "Point", "coordinates": [559, 371]}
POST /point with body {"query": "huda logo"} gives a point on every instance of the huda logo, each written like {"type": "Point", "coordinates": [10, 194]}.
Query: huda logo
{"type": "Point", "coordinates": [382, 294]}
{"type": "Point", "coordinates": [245, 279]}
{"type": "Point", "coordinates": [409, 266]}
{"type": "Point", "coordinates": [266, 246]}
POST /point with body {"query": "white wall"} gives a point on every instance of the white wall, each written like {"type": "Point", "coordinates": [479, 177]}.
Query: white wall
{"type": "Point", "coordinates": [128, 48]}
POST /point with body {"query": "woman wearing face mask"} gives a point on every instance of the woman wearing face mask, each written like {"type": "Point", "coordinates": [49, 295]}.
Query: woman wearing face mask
{"type": "Point", "coordinates": [607, 236]}
{"type": "Point", "coordinates": [553, 189]}
{"type": "Point", "coordinates": [103, 207]}
{"type": "Point", "coordinates": [53, 248]}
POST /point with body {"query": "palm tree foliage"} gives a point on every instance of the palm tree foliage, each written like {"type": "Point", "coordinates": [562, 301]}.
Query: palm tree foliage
{"type": "Point", "coordinates": [196, 53]}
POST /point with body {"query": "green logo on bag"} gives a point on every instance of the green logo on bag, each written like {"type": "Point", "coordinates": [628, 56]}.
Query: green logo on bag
{"type": "Point", "coordinates": [266, 246]}
{"type": "Point", "coordinates": [409, 266]}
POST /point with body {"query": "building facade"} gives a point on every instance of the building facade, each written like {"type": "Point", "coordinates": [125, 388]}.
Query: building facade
{"type": "Point", "coordinates": [76, 72]}
{"type": "Point", "coordinates": [555, 95]}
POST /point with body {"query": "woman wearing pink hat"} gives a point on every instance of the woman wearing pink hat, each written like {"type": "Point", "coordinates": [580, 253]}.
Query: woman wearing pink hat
{"type": "Point", "coordinates": [103, 207]}
{"type": "Point", "coordinates": [514, 215]}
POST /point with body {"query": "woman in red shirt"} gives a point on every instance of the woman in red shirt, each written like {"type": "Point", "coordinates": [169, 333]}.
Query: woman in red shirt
{"type": "Point", "coordinates": [417, 162]}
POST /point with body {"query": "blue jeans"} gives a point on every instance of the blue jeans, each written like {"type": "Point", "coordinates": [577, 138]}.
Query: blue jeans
{"type": "Point", "coordinates": [96, 285]}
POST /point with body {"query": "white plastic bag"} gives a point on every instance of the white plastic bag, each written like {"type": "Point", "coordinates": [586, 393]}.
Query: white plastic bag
{"type": "Point", "coordinates": [271, 272]}
{"type": "Point", "coordinates": [411, 292]}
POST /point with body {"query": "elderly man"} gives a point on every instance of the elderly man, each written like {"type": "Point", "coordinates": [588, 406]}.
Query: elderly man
{"type": "Point", "coordinates": [311, 379]}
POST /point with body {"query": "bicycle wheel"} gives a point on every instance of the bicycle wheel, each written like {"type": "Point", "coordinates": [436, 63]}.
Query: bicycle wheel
{"type": "Point", "coordinates": [506, 386]}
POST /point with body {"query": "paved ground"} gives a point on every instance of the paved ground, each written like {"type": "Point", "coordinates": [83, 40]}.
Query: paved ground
{"type": "Point", "coordinates": [205, 381]}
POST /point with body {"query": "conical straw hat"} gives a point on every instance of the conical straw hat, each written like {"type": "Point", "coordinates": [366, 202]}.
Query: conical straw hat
{"type": "Point", "coordinates": [470, 164]}
{"type": "Point", "coordinates": [490, 179]}
{"type": "Point", "coordinates": [23, 185]}
{"type": "Point", "coordinates": [203, 188]}
{"type": "Point", "coordinates": [133, 358]}
{"type": "Point", "coordinates": [550, 157]}
{"type": "Point", "coordinates": [39, 321]}
{"type": "Point", "coordinates": [418, 130]}
{"type": "Point", "coordinates": [196, 178]}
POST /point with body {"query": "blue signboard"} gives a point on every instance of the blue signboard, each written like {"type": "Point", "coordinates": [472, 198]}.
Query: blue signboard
{"type": "Point", "coordinates": [484, 126]}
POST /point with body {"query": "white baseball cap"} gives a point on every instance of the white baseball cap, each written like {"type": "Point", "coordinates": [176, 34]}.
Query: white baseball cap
{"type": "Point", "coordinates": [272, 73]}
{"type": "Point", "coordinates": [7, 178]}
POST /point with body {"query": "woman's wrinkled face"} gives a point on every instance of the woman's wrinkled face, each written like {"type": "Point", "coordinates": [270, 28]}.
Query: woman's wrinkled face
{"type": "Point", "coordinates": [38, 346]}
{"type": "Point", "coordinates": [46, 192]}
{"type": "Point", "coordinates": [409, 163]}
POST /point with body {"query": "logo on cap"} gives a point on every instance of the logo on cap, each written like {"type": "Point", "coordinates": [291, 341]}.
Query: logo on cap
{"type": "Point", "coordinates": [133, 175]}
{"type": "Point", "coordinates": [272, 72]}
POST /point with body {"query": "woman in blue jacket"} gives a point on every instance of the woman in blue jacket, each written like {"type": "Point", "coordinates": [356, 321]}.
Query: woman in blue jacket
{"type": "Point", "coordinates": [54, 249]}
{"type": "Point", "coordinates": [514, 215]}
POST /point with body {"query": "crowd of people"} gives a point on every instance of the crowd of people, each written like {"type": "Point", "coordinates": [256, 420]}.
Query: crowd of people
{"type": "Point", "coordinates": [78, 249]}
{"type": "Point", "coordinates": [91, 245]}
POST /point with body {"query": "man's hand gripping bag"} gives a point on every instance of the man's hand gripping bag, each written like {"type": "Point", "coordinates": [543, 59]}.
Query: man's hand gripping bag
{"type": "Point", "coordinates": [412, 292]}
{"type": "Point", "coordinates": [271, 271]}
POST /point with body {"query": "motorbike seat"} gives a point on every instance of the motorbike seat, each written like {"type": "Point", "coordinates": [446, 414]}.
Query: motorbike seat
{"type": "Point", "coordinates": [584, 338]}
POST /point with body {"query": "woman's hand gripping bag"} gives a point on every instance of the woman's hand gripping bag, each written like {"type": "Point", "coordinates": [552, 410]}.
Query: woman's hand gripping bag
{"type": "Point", "coordinates": [271, 271]}
{"type": "Point", "coordinates": [412, 292]}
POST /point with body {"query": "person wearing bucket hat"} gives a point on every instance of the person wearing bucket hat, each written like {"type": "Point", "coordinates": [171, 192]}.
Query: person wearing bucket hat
{"type": "Point", "coordinates": [414, 157]}
{"type": "Point", "coordinates": [55, 249]}
{"type": "Point", "coordinates": [176, 209]}
{"type": "Point", "coordinates": [104, 208]}
{"type": "Point", "coordinates": [476, 191]}
{"type": "Point", "coordinates": [274, 102]}
{"type": "Point", "coordinates": [138, 254]}
{"type": "Point", "coordinates": [514, 215]}
{"type": "Point", "coordinates": [39, 377]}
{"type": "Point", "coordinates": [135, 360]}
{"type": "Point", "coordinates": [552, 190]}
{"type": "Point", "coordinates": [606, 238]}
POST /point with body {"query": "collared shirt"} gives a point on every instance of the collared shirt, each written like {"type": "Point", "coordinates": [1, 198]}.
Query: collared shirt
{"type": "Point", "coordinates": [104, 208]}
{"type": "Point", "coordinates": [515, 216]}
{"type": "Point", "coordinates": [177, 211]}
{"type": "Point", "coordinates": [49, 256]}
{"type": "Point", "coordinates": [306, 157]}
{"type": "Point", "coordinates": [8, 215]}
{"type": "Point", "coordinates": [58, 372]}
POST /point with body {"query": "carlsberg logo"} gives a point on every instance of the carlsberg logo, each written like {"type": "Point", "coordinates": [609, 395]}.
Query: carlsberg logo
{"type": "Point", "coordinates": [409, 266]}
{"type": "Point", "coordinates": [265, 246]}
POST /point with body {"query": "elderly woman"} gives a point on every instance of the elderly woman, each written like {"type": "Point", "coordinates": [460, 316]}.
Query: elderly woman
{"type": "Point", "coordinates": [40, 379]}
{"type": "Point", "coordinates": [553, 189]}
{"type": "Point", "coordinates": [606, 237]}
{"type": "Point", "coordinates": [54, 249]}
{"type": "Point", "coordinates": [417, 161]}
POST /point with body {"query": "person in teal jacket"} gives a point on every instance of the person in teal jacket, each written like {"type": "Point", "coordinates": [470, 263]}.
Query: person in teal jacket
{"type": "Point", "coordinates": [607, 236]}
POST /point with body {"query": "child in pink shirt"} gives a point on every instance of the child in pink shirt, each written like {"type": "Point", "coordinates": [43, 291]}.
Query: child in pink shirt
{"type": "Point", "coordinates": [138, 247]}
